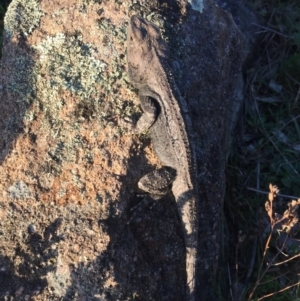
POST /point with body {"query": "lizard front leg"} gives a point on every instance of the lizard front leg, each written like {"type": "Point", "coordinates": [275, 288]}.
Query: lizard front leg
{"type": "Point", "coordinates": [157, 184]}
{"type": "Point", "coordinates": [150, 113]}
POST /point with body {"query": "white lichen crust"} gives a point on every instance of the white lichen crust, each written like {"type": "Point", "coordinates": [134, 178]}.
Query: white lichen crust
{"type": "Point", "coordinates": [69, 63]}
{"type": "Point", "coordinates": [197, 5]}
{"type": "Point", "coordinates": [22, 17]}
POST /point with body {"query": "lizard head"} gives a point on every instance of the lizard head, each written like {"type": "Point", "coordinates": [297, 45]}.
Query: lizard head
{"type": "Point", "coordinates": [143, 39]}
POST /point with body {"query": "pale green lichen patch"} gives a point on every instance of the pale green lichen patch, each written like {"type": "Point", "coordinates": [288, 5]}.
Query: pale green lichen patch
{"type": "Point", "coordinates": [67, 64]}
{"type": "Point", "coordinates": [75, 89]}
{"type": "Point", "coordinates": [19, 190]}
{"type": "Point", "coordinates": [77, 86]}
{"type": "Point", "coordinates": [22, 17]}
{"type": "Point", "coordinates": [23, 78]}
{"type": "Point", "coordinates": [70, 64]}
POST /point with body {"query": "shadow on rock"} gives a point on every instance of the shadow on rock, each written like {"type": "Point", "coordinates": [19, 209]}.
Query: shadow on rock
{"type": "Point", "coordinates": [24, 273]}
{"type": "Point", "coordinates": [16, 93]}
{"type": "Point", "coordinates": [145, 259]}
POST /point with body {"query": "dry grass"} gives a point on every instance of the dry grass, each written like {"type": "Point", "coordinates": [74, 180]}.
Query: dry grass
{"type": "Point", "coordinates": [264, 239]}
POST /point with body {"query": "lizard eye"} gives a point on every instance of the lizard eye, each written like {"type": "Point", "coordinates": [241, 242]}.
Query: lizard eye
{"type": "Point", "coordinates": [140, 33]}
{"type": "Point", "coordinates": [143, 32]}
{"type": "Point", "coordinates": [154, 32]}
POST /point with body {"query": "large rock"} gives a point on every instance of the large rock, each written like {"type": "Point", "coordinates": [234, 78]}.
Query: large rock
{"type": "Point", "coordinates": [69, 169]}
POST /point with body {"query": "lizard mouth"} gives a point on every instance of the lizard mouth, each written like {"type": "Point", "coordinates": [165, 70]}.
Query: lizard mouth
{"type": "Point", "coordinates": [133, 66]}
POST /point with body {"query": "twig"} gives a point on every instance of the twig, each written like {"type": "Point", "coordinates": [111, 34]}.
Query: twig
{"type": "Point", "coordinates": [272, 30]}
{"type": "Point", "coordinates": [258, 174]}
{"type": "Point", "coordinates": [272, 279]}
{"type": "Point", "coordinates": [297, 97]}
{"type": "Point", "coordinates": [230, 283]}
{"type": "Point", "coordinates": [273, 192]}
{"type": "Point", "coordinates": [279, 194]}
{"type": "Point", "coordinates": [282, 290]}
{"type": "Point", "coordinates": [270, 139]}
{"type": "Point", "coordinates": [285, 261]}
{"type": "Point", "coordinates": [260, 276]}
{"type": "Point", "coordinates": [260, 268]}
{"type": "Point", "coordinates": [254, 248]}
{"type": "Point", "coordinates": [291, 78]}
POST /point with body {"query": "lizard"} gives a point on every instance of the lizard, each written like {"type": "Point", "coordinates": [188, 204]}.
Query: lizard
{"type": "Point", "coordinates": [166, 115]}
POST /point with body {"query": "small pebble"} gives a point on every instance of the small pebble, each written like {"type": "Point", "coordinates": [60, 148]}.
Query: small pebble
{"type": "Point", "coordinates": [31, 229]}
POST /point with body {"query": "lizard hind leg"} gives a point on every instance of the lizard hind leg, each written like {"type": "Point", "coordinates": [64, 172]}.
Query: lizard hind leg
{"type": "Point", "coordinates": [157, 183]}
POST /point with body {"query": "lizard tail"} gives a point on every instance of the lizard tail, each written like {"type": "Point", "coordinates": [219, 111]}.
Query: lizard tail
{"type": "Point", "coordinates": [187, 207]}
{"type": "Point", "coordinates": [191, 254]}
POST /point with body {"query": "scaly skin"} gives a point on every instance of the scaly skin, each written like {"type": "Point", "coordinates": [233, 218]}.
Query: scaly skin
{"type": "Point", "coordinates": [166, 115]}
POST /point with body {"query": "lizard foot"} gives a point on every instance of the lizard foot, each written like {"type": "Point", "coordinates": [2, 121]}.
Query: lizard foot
{"type": "Point", "coordinates": [157, 183]}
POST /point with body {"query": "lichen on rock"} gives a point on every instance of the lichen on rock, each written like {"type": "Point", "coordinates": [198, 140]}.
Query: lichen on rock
{"type": "Point", "coordinates": [22, 17]}
{"type": "Point", "coordinates": [19, 190]}
{"type": "Point", "coordinates": [69, 63]}
{"type": "Point", "coordinates": [197, 5]}
{"type": "Point", "coordinates": [23, 80]}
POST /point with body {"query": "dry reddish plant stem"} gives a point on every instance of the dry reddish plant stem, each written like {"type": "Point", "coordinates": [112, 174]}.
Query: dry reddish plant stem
{"type": "Point", "coordinates": [286, 222]}
{"type": "Point", "coordinates": [269, 207]}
